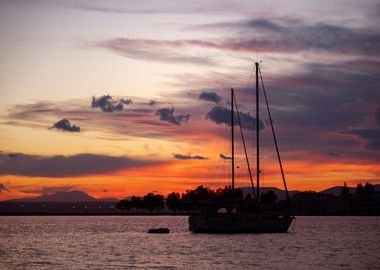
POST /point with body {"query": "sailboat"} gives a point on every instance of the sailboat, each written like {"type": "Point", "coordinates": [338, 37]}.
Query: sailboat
{"type": "Point", "coordinates": [244, 216]}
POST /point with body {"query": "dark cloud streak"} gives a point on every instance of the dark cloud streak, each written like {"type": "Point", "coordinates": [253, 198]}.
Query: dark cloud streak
{"type": "Point", "coordinates": [333, 154]}
{"type": "Point", "coordinates": [223, 156]}
{"type": "Point", "coordinates": [67, 166]}
{"type": "Point", "coordinates": [186, 157]}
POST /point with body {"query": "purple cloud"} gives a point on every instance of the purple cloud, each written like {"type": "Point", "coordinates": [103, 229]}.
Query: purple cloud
{"type": "Point", "coordinates": [221, 115]}
{"type": "Point", "coordinates": [210, 96]}
{"type": "Point", "coordinates": [65, 125]}
{"type": "Point", "coordinates": [167, 114]}
{"type": "Point", "coordinates": [108, 104]}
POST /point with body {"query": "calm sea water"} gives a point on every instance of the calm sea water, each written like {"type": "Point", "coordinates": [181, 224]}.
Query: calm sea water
{"type": "Point", "coordinates": [111, 242]}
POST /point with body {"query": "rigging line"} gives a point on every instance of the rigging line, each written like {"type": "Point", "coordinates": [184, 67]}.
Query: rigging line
{"type": "Point", "coordinates": [226, 163]}
{"type": "Point", "coordinates": [248, 83]}
{"type": "Point", "coordinates": [245, 149]}
{"type": "Point", "coordinates": [232, 140]}
{"type": "Point", "coordinates": [249, 79]}
{"type": "Point", "coordinates": [274, 138]}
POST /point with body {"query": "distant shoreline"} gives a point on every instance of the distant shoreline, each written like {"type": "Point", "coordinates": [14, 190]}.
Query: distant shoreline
{"type": "Point", "coordinates": [144, 214]}
{"type": "Point", "coordinates": [89, 214]}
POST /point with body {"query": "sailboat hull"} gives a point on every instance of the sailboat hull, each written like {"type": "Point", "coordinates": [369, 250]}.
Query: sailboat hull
{"type": "Point", "coordinates": [239, 224]}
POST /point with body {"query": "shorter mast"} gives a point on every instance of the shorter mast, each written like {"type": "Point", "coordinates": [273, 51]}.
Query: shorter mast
{"type": "Point", "coordinates": [232, 140]}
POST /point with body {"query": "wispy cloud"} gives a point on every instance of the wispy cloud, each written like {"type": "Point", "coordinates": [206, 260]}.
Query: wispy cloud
{"type": "Point", "coordinates": [289, 36]}
{"type": "Point", "coordinates": [252, 36]}
{"type": "Point", "coordinates": [156, 50]}
{"type": "Point", "coordinates": [370, 136]}
{"type": "Point", "coordinates": [149, 7]}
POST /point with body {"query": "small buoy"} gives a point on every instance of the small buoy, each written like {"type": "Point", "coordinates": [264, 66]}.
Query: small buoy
{"type": "Point", "coordinates": [159, 230]}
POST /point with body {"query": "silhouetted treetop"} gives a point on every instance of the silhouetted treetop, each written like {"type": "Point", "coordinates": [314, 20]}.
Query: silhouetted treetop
{"type": "Point", "coordinates": [173, 201]}
{"type": "Point", "coordinates": [369, 188]}
{"type": "Point", "coordinates": [202, 193]}
{"type": "Point", "coordinates": [198, 194]}
{"type": "Point", "coordinates": [153, 201]}
{"type": "Point", "coordinates": [359, 189]}
{"type": "Point", "coordinates": [228, 193]}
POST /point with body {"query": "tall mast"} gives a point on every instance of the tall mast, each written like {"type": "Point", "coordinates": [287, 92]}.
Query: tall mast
{"type": "Point", "coordinates": [275, 140]}
{"type": "Point", "coordinates": [232, 140]}
{"type": "Point", "coordinates": [257, 134]}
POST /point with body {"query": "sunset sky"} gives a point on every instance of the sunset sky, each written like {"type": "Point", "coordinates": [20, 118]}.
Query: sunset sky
{"type": "Point", "coordinates": [145, 85]}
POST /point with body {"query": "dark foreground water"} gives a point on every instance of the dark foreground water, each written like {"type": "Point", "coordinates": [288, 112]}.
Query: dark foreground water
{"type": "Point", "coordinates": [121, 242]}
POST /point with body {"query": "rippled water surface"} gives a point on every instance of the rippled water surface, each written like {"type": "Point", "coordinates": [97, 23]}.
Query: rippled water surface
{"type": "Point", "coordinates": [121, 242]}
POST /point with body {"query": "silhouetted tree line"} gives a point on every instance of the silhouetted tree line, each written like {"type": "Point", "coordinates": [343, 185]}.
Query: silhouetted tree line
{"type": "Point", "coordinates": [150, 202]}
{"type": "Point", "coordinates": [188, 200]}
{"type": "Point", "coordinates": [363, 201]}
{"type": "Point", "coordinates": [365, 190]}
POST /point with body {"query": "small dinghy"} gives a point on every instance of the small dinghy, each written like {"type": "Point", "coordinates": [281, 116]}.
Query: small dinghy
{"type": "Point", "coordinates": [159, 230]}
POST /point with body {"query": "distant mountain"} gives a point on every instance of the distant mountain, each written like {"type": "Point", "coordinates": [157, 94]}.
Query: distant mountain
{"type": "Point", "coordinates": [336, 190]}
{"type": "Point", "coordinates": [66, 196]}
{"type": "Point", "coordinates": [281, 194]}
